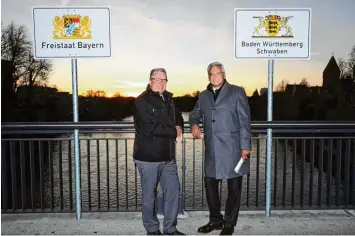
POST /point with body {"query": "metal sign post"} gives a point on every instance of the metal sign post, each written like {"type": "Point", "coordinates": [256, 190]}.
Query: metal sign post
{"type": "Point", "coordinates": [74, 71]}
{"type": "Point", "coordinates": [72, 32]}
{"type": "Point", "coordinates": [269, 137]}
{"type": "Point", "coordinates": [283, 34]}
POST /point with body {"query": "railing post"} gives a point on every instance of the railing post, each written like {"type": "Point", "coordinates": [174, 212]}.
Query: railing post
{"type": "Point", "coordinates": [183, 170]}
{"type": "Point", "coordinates": [352, 170]}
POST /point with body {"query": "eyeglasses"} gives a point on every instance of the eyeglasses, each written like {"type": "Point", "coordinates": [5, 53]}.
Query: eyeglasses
{"type": "Point", "coordinates": [216, 74]}
{"type": "Point", "coordinates": [159, 80]}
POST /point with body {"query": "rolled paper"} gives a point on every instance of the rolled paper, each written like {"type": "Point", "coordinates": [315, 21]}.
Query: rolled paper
{"type": "Point", "coordinates": [239, 165]}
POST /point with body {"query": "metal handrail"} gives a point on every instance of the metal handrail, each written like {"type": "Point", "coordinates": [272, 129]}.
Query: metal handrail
{"type": "Point", "coordinates": [130, 125]}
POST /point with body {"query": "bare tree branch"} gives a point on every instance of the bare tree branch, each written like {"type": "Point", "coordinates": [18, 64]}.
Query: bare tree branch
{"type": "Point", "coordinates": [17, 48]}
{"type": "Point", "coordinates": [345, 67]}
{"type": "Point", "coordinates": [95, 94]}
{"type": "Point", "coordinates": [352, 61]}
{"type": "Point", "coordinates": [37, 71]}
{"type": "Point", "coordinates": [281, 87]}
{"type": "Point", "coordinates": [304, 82]}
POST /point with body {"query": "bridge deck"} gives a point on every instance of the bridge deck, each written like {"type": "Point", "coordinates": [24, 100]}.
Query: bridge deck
{"type": "Point", "coordinates": [332, 222]}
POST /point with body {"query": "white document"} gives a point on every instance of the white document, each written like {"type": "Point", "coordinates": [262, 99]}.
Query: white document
{"type": "Point", "coordinates": [239, 165]}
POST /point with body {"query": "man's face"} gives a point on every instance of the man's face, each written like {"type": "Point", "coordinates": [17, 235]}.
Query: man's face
{"type": "Point", "coordinates": [216, 76]}
{"type": "Point", "coordinates": [158, 82]}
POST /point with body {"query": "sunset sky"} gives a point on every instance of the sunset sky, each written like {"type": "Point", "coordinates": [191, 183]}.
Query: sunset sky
{"type": "Point", "coordinates": [184, 37]}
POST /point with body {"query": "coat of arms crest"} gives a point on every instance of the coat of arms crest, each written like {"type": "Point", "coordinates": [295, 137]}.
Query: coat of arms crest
{"type": "Point", "coordinates": [72, 27]}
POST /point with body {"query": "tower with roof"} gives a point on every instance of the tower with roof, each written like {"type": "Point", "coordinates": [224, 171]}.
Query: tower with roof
{"type": "Point", "coordinates": [331, 74]}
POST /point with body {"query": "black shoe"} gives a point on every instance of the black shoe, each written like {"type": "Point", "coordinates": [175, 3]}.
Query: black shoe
{"type": "Point", "coordinates": [176, 232]}
{"type": "Point", "coordinates": [227, 231]}
{"type": "Point", "coordinates": [210, 227]}
{"type": "Point", "coordinates": [155, 233]}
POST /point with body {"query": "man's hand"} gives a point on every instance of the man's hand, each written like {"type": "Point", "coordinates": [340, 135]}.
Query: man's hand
{"type": "Point", "coordinates": [196, 131]}
{"type": "Point", "coordinates": [245, 154]}
{"type": "Point", "coordinates": [178, 130]}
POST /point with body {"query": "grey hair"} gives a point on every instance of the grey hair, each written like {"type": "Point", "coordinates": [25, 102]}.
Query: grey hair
{"type": "Point", "coordinates": [157, 70]}
{"type": "Point", "coordinates": [220, 65]}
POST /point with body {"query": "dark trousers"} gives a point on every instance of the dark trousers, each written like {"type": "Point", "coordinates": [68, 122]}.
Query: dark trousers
{"type": "Point", "coordinates": [232, 204]}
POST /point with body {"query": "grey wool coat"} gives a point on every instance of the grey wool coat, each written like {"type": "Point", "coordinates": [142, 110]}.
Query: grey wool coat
{"type": "Point", "coordinates": [227, 130]}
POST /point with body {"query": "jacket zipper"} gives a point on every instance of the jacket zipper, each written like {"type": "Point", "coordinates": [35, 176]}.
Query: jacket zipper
{"type": "Point", "coordinates": [174, 120]}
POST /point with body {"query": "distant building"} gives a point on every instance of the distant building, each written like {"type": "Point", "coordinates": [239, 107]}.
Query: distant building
{"type": "Point", "coordinates": [331, 74]}
{"type": "Point", "coordinates": [63, 94]}
{"type": "Point", "coordinates": [263, 91]}
{"type": "Point", "coordinates": [64, 97]}
{"type": "Point", "coordinates": [341, 91]}
{"type": "Point", "coordinates": [6, 77]}
{"type": "Point", "coordinates": [293, 89]}
{"type": "Point", "coordinates": [36, 90]}
{"type": "Point", "coordinates": [34, 95]}
{"type": "Point", "coordinates": [316, 90]}
{"type": "Point", "coordinates": [8, 99]}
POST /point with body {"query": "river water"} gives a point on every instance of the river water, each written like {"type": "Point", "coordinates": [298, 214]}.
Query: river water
{"type": "Point", "coordinates": [104, 178]}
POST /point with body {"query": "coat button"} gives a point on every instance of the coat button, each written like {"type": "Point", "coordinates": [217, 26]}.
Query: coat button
{"type": "Point", "coordinates": [213, 121]}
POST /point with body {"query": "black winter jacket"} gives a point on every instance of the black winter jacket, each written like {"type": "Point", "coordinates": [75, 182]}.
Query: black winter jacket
{"type": "Point", "coordinates": [155, 121]}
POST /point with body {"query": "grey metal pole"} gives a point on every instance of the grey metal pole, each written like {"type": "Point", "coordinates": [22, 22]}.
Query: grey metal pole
{"type": "Point", "coordinates": [269, 137]}
{"type": "Point", "coordinates": [74, 68]}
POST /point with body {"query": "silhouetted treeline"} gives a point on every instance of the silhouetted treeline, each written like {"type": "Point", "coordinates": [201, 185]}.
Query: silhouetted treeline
{"type": "Point", "coordinates": [27, 98]}
{"type": "Point", "coordinates": [185, 103]}
{"type": "Point", "coordinates": [41, 104]}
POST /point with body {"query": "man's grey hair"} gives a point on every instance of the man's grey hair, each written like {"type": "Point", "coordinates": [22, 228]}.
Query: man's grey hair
{"type": "Point", "coordinates": [220, 65]}
{"type": "Point", "coordinates": [157, 70]}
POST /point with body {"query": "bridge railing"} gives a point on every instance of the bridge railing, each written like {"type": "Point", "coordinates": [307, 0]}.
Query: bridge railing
{"type": "Point", "coordinates": [313, 166]}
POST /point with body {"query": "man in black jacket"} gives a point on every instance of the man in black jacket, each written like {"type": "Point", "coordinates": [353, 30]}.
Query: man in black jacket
{"type": "Point", "coordinates": [157, 124]}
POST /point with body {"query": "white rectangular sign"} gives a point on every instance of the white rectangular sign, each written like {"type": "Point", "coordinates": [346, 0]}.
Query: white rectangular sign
{"type": "Point", "coordinates": [272, 33]}
{"type": "Point", "coordinates": [71, 32]}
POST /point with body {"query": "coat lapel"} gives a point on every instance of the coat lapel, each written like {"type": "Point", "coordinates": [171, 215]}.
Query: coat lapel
{"type": "Point", "coordinates": [223, 93]}
{"type": "Point", "coordinates": [210, 98]}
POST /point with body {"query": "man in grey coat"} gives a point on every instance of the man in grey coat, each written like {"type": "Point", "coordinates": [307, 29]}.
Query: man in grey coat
{"type": "Point", "coordinates": [225, 114]}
